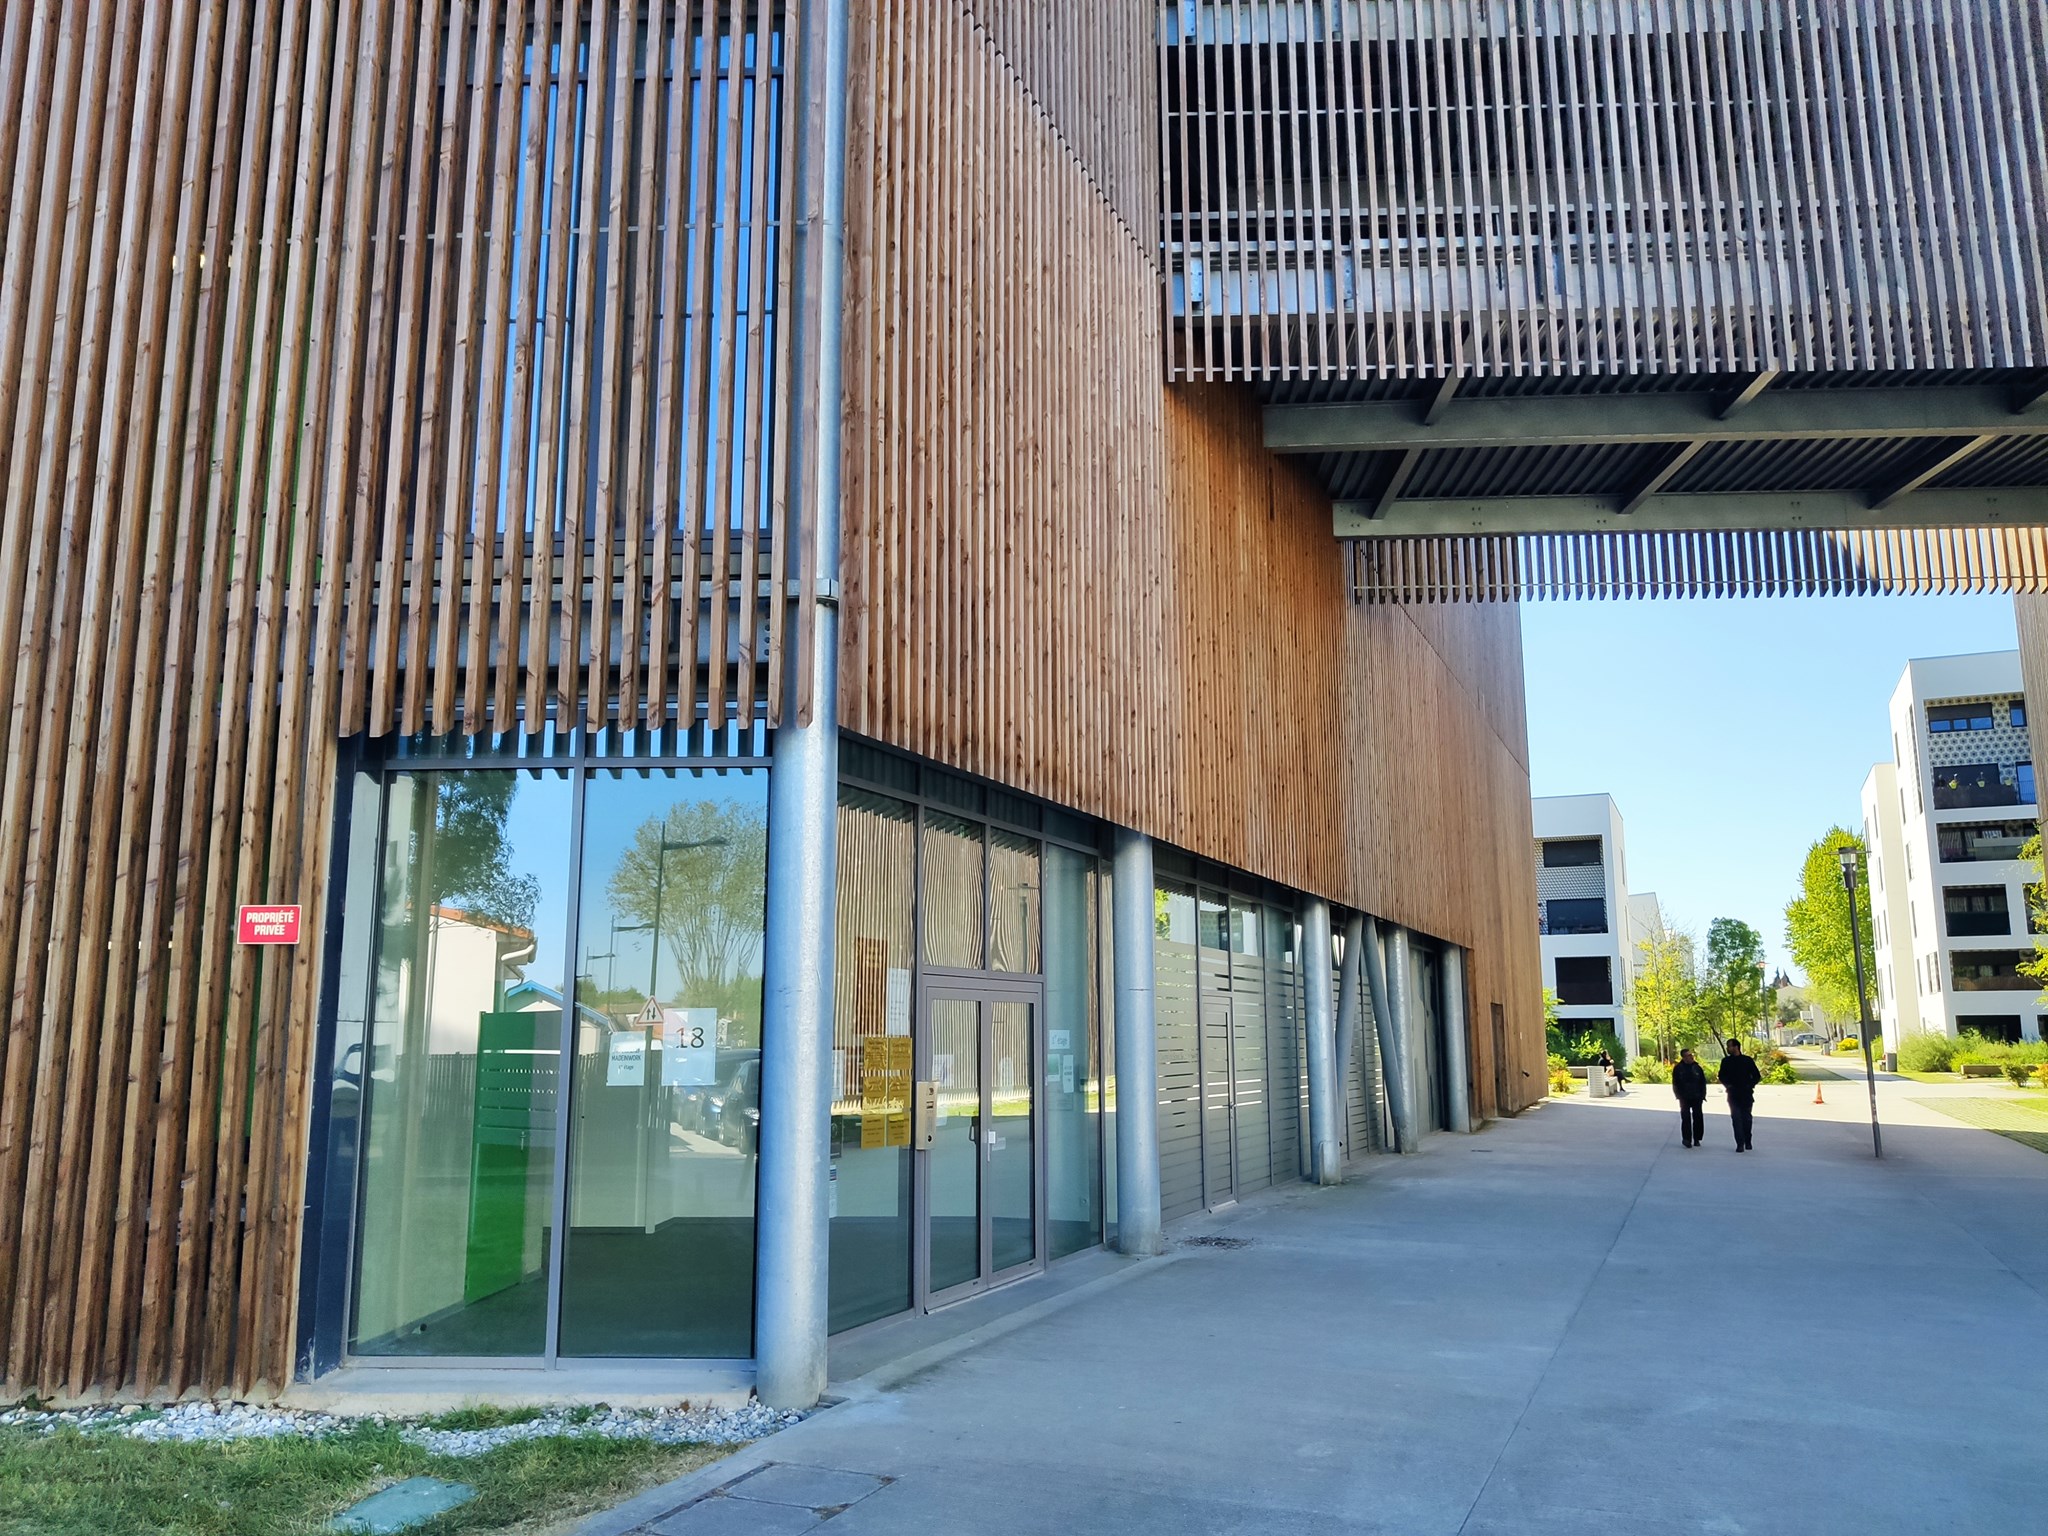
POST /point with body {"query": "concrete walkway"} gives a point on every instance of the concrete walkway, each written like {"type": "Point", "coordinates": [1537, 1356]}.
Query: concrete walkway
{"type": "Point", "coordinates": [1566, 1323]}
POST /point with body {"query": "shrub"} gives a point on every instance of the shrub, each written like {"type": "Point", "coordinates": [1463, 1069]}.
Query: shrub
{"type": "Point", "coordinates": [2041, 1073]}
{"type": "Point", "coordinates": [1973, 1047]}
{"type": "Point", "coordinates": [1926, 1051]}
{"type": "Point", "coordinates": [1849, 1045]}
{"type": "Point", "coordinates": [1560, 1075]}
{"type": "Point", "coordinates": [1780, 1071]}
{"type": "Point", "coordinates": [1648, 1069]}
{"type": "Point", "coordinates": [2019, 1072]}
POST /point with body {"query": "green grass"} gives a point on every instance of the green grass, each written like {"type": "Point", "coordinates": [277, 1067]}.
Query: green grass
{"type": "Point", "coordinates": [2022, 1120]}
{"type": "Point", "coordinates": [73, 1484]}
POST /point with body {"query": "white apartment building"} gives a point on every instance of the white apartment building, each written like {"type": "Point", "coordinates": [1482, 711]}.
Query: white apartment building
{"type": "Point", "coordinates": [1585, 913]}
{"type": "Point", "coordinates": [1944, 821]}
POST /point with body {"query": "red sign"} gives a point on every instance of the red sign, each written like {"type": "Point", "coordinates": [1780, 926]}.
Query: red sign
{"type": "Point", "coordinates": [270, 925]}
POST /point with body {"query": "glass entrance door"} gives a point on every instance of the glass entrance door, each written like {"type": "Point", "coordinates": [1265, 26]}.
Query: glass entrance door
{"type": "Point", "coordinates": [978, 1180]}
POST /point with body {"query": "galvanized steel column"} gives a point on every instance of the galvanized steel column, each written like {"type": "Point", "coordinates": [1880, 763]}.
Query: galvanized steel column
{"type": "Point", "coordinates": [1137, 1048]}
{"type": "Point", "coordinates": [1326, 1154]}
{"type": "Point", "coordinates": [793, 1222]}
{"type": "Point", "coordinates": [1347, 1017]}
{"type": "Point", "coordinates": [1393, 1054]}
{"type": "Point", "coordinates": [1457, 1048]}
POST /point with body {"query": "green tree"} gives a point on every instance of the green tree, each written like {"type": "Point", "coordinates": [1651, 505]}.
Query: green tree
{"type": "Point", "coordinates": [1817, 925]}
{"type": "Point", "coordinates": [1732, 989]}
{"type": "Point", "coordinates": [2037, 915]}
{"type": "Point", "coordinates": [702, 868]}
{"type": "Point", "coordinates": [1666, 992]}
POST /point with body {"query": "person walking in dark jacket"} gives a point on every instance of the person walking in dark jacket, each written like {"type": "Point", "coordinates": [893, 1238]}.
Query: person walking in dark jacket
{"type": "Point", "coordinates": [1739, 1077]}
{"type": "Point", "coordinates": [1689, 1082]}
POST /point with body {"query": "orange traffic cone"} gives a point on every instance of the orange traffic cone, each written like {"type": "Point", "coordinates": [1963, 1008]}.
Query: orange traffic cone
{"type": "Point", "coordinates": [1816, 1095]}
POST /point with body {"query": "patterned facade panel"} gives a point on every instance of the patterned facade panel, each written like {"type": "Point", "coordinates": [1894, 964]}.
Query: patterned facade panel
{"type": "Point", "coordinates": [1403, 187]}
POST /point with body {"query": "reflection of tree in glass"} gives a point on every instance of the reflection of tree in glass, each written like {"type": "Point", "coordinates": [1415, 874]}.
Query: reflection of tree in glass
{"type": "Point", "coordinates": [709, 885]}
{"type": "Point", "coordinates": [471, 869]}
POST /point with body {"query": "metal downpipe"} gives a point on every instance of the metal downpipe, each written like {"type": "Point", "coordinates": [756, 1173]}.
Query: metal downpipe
{"type": "Point", "coordinates": [1457, 1041]}
{"type": "Point", "coordinates": [793, 1226]}
{"type": "Point", "coordinates": [1137, 1047]}
{"type": "Point", "coordinates": [1347, 1016]}
{"type": "Point", "coordinates": [1393, 1059]}
{"type": "Point", "coordinates": [1326, 1153]}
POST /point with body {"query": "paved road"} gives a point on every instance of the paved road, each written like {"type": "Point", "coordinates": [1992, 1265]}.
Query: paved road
{"type": "Point", "coordinates": [1566, 1323]}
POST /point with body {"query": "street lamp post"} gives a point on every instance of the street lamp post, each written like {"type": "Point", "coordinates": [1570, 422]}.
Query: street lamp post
{"type": "Point", "coordinates": [660, 880]}
{"type": "Point", "coordinates": [1848, 855]}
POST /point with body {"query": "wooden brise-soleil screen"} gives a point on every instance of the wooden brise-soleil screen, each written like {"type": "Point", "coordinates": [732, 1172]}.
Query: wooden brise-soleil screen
{"type": "Point", "coordinates": [370, 367]}
{"type": "Point", "coordinates": [1776, 562]}
{"type": "Point", "coordinates": [1404, 187]}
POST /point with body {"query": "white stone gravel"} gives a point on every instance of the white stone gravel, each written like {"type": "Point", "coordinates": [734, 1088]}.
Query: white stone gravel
{"type": "Point", "coordinates": [666, 1426]}
{"type": "Point", "coordinates": [193, 1422]}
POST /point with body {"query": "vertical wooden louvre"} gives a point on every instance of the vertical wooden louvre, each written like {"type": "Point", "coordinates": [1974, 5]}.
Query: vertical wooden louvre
{"type": "Point", "coordinates": [1405, 187]}
{"type": "Point", "coordinates": [384, 366]}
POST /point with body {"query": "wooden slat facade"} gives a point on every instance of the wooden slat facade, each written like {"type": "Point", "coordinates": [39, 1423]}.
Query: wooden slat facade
{"type": "Point", "coordinates": [1062, 576]}
{"type": "Point", "coordinates": [1357, 188]}
{"type": "Point", "coordinates": [1729, 562]}
{"type": "Point", "coordinates": [407, 368]}
{"type": "Point", "coordinates": [370, 367]}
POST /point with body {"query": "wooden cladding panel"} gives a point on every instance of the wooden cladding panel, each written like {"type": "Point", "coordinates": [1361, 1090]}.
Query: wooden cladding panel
{"type": "Point", "coordinates": [1089, 69]}
{"type": "Point", "coordinates": [1400, 187]}
{"type": "Point", "coordinates": [1871, 562]}
{"type": "Point", "coordinates": [1064, 578]}
{"type": "Point", "coordinates": [362, 367]}
{"type": "Point", "coordinates": [2030, 614]}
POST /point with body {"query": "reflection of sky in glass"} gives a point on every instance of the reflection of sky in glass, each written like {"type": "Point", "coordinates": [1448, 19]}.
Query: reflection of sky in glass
{"type": "Point", "coordinates": [536, 835]}
{"type": "Point", "coordinates": [609, 830]}
{"type": "Point", "coordinates": [728, 173]}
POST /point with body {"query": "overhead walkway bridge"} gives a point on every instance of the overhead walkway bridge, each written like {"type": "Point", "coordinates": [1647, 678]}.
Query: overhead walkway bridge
{"type": "Point", "coordinates": [1640, 299]}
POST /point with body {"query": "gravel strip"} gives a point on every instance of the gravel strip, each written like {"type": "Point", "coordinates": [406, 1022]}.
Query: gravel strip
{"type": "Point", "coordinates": [196, 1422]}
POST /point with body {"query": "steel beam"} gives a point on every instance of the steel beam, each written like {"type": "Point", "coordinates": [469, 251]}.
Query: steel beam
{"type": "Point", "coordinates": [1393, 1053]}
{"type": "Point", "coordinates": [1684, 455]}
{"type": "Point", "coordinates": [1946, 508]}
{"type": "Point", "coordinates": [1969, 448]}
{"type": "Point", "coordinates": [1596, 420]}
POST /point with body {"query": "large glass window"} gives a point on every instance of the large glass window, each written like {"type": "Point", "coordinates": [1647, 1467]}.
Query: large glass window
{"type": "Point", "coordinates": [462, 1066]}
{"type": "Point", "coordinates": [1571, 852]}
{"type": "Point", "coordinates": [1013, 902]}
{"type": "Point", "coordinates": [666, 1099]}
{"type": "Point", "coordinates": [1988, 842]}
{"type": "Point", "coordinates": [950, 882]}
{"type": "Point", "coordinates": [1073, 986]}
{"type": "Point", "coordinates": [870, 1191]}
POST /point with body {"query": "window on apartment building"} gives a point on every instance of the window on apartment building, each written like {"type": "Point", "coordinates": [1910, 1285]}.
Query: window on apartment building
{"type": "Point", "coordinates": [1982, 842]}
{"type": "Point", "coordinates": [1991, 970]}
{"type": "Point", "coordinates": [1913, 917]}
{"type": "Point", "coordinates": [1975, 911]}
{"type": "Point", "coordinates": [1586, 914]}
{"type": "Point", "coordinates": [2018, 713]}
{"type": "Point", "coordinates": [1571, 852]}
{"type": "Point", "coordinates": [1968, 785]}
{"type": "Point", "coordinates": [1909, 861]}
{"type": "Point", "coordinates": [2023, 782]}
{"type": "Point", "coordinates": [1992, 1026]}
{"type": "Point", "coordinates": [1584, 979]}
{"type": "Point", "coordinates": [1943, 719]}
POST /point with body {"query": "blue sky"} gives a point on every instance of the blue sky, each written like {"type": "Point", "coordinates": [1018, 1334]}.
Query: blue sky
{"type": "Point", "coordinates": [1731, 733]}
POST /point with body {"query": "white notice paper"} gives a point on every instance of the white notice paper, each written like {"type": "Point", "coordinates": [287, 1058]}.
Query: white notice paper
{"type": "Point", "coordinates": [1066, 1074]}
{"type": "Point", "coordinates": [625, 1065]}
{"type": "Point", "coordinates": [1059, 1040]}
{"type": "Point", "coordinates": [689, 1047]}
{"type": "Point", "coordinates": [896, 1003]}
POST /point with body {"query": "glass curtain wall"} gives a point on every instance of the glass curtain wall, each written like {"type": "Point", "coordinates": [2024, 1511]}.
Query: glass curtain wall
{"type": "Point", "coordinates": [870, 1190]}
{"type": "Point", "coordinates": [462, 1066]}
{"type": "Point", "coordinates": [930, 881]}
{"type": "Point", "coordinates": [665, 1108]}
{"type": "Point", "coordinates": [505, 1206]}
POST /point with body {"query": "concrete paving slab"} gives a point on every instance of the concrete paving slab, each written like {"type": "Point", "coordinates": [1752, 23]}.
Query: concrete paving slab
{"type": "Point", "coordinates": [720, 1516]}
{"type": "Point", "coordinates": [1564, 1323]}
{"type": "Point", "coordinates": [814, 1488]}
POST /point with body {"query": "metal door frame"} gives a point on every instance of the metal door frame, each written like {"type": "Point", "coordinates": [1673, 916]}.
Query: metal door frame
{"type": "Point", "coordinates": [982, 989]}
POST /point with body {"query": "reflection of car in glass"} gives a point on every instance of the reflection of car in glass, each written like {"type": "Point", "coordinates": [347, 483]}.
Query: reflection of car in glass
{"type": "Point", "coordinates": [700, 1104]}
{"type": "Point", "coordinates": [734, 1108]}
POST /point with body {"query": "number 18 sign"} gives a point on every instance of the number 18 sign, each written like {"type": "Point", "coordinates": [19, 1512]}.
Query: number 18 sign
{"type": "Point", "coordinates": [689, 1047]}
